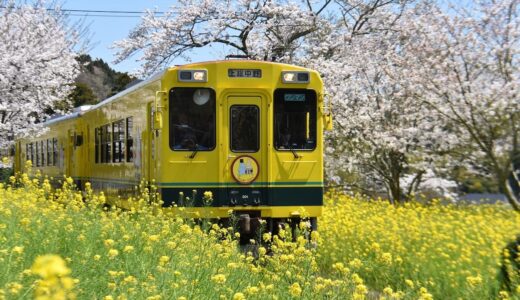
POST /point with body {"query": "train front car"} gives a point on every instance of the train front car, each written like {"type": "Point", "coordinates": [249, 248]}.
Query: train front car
{"type": "Point", "coordinates": [240, 139]}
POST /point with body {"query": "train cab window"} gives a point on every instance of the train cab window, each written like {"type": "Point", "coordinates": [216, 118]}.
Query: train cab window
{"type": "Point", "coordinates": [129, 139]}
{"type": "Point", "coordinates": [192, 119]}
{"type": "Point", "coordinates": [244, 126]}
{"type": "Point", "coordinates": [295, 119]}
{"type": "Point", "coordinates": [118, 138]}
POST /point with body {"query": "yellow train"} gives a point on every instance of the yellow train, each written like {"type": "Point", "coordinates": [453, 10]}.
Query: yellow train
{"type": "Point", "coordinates": [250, 132]}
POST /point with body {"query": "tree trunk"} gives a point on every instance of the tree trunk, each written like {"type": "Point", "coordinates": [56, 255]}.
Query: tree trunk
{"type": "Point", "coordinates": [506, 185]}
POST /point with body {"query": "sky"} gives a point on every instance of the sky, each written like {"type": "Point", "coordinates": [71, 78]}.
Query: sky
{"type": "Point", "coordinates": [104, 30]}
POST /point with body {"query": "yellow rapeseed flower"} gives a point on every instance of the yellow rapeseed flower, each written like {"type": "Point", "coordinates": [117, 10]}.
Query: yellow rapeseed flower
{"type": "Point", "coordinates": [239, 296]}
{"type": "Point", "coordinates": [409, 283]}
{"type": "Point", "coordinates": [109, 243]}
{"type": "Point", "coordinates": [386, 258]}
{"type": "Point", "coordinates": [153, 238]}
{"type": "Point", "coordinates": [219, 278]}
{"type": "Point", "coordinates": [388, 291]}
{"type": "Point", "coordinates": [112, 253]}
{"type": "Point", "coordinates": [14, 288]}
{"type": "Point", "coordinates": [163, 260]}
{"type": "Point", "coordinates": [48, 266]}
{"type": "Point", "coordinates": [295, 290]}
{"type": "Point", "coordinates": [252, 290]}
{"type": "Point", "coordinates": [18, 249]}
{"type": "Point", "coordinates": [474, 280]}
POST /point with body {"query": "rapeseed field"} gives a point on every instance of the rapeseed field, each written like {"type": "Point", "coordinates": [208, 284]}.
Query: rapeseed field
{"type": "Point", "coordinates": [60, 244]}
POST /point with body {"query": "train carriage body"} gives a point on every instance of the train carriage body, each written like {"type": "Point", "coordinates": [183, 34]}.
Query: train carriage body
{"type": "Point", "coordinates": [248, 132]}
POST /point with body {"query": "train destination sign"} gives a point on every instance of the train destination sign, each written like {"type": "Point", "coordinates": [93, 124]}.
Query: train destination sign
{"type": "Point", "coordinates": [245, 73]}
{"type": "Point", "coordinates": [294, 97]}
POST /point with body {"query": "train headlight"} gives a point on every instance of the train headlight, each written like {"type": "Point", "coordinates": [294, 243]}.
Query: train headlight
{"type": "Point", "coordinates": [288, 77]}
{"type": "Point", "coordinates": [193, 75]}
{"type": "Point", "coordinates": [295, 77]}
{"type": "Point", "coordinates": [199, 76]}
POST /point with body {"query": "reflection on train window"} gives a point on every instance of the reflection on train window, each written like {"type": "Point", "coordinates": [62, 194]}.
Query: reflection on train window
{"type": "Point", "coordinates": [129, 140]}
{"type": "Point", "coordinates": [106, 143]}
{"type": "Point", "coordinates": [31, 148]}
{"type": "Point", "coordinates": [54, 151]}
{"type": "Point", "coordinates": [37, 154]}
{"type": "Point", "coordinates": [192, 119]}
{"type": "Point", "coordinates": [244, 122]}
{"type": "Point", "coordinates": [118, 141]}
{"type": "Point", "coordinates": [97, 145]}
{"type": "Point", "coordinates": [42, 154]}
{"type": "Point", "coordinates": [27, 152]}
{"type": "Point", "coordinates": [294, 119]}
{"type": "Point", "coordinates": [49, 152]}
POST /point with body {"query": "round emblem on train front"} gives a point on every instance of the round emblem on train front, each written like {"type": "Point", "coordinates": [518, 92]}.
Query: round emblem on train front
{"type": "Point", "coordinates": [245, 169]}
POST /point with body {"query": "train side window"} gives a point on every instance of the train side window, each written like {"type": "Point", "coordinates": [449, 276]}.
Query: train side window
{"type": "Point", "coordinates": [97, 138]}
{"type": "Point", "coordinates": [192, 119]}
{"type": "Point", "coordinates": [42, 153]}
{"type": "Point", "coordinates": [106, 143]}
{"type": "Point", "coordinates": [54, 151]}
{"type": "Point", "coordinates": [103, 145]}
{"type": "Point", "coordinates": [110, 149]}
{"type": "Point", "coordinates": [37, 154]}
{"type": "Point", "coordinates": [49, 151]}
{"type": "Point", "coordinates": [295, 119]}
{"type": "Point", "coordinates": [27, 154]}
{"type": "Point", "coordinates": [129, 139]}
{"type": "Point", "coordinates": [118, 138]}
{"type": "Point", "coordinates": [31, 150]}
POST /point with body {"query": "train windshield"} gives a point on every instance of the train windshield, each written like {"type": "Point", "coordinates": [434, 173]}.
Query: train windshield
{"type": "Point", "coordinates": [294, 119]}
{"type": "Point", "coordinates": [192, 119]}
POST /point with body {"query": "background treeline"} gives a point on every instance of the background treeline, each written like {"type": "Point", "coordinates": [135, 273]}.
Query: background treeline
{"type": "Point", "coordinates": [96, 81]}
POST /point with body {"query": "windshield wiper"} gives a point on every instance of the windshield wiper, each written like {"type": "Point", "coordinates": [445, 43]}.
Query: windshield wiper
{"type": "Point", "coordinates": [195, 150]}
{"type": "Point", "coordinates": [293, 151]}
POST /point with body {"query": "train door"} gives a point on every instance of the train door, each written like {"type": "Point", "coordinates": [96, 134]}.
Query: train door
{"type": "Point", "coordinates": [246, 151]}
{"type": "Point", "coordinates": [150, 145]}
{"type": "Point", "coordinates": [74, 155]}
{"type": "Point", "coordinates": [69, 153]}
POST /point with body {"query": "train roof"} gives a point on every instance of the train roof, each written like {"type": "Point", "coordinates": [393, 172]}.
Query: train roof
{"type": "Point", "coordinates": [79, 111]}
{"type": "Point", "coordinates": [236, 60]}
{"type": "Point", "coordinates": [154, 77]}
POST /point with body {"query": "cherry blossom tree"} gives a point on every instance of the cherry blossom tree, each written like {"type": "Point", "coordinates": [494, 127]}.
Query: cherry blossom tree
{"type": "Point", "coordinates": [37, 66]}
{"type": "Point", "coordinates": [420, 84]}
{"type": "Point", "coordinates": [261, 30]}
{"type": "Point", "coordinates": [464, 66]}
{"type": "Point", "coordinates": [382, 135]}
